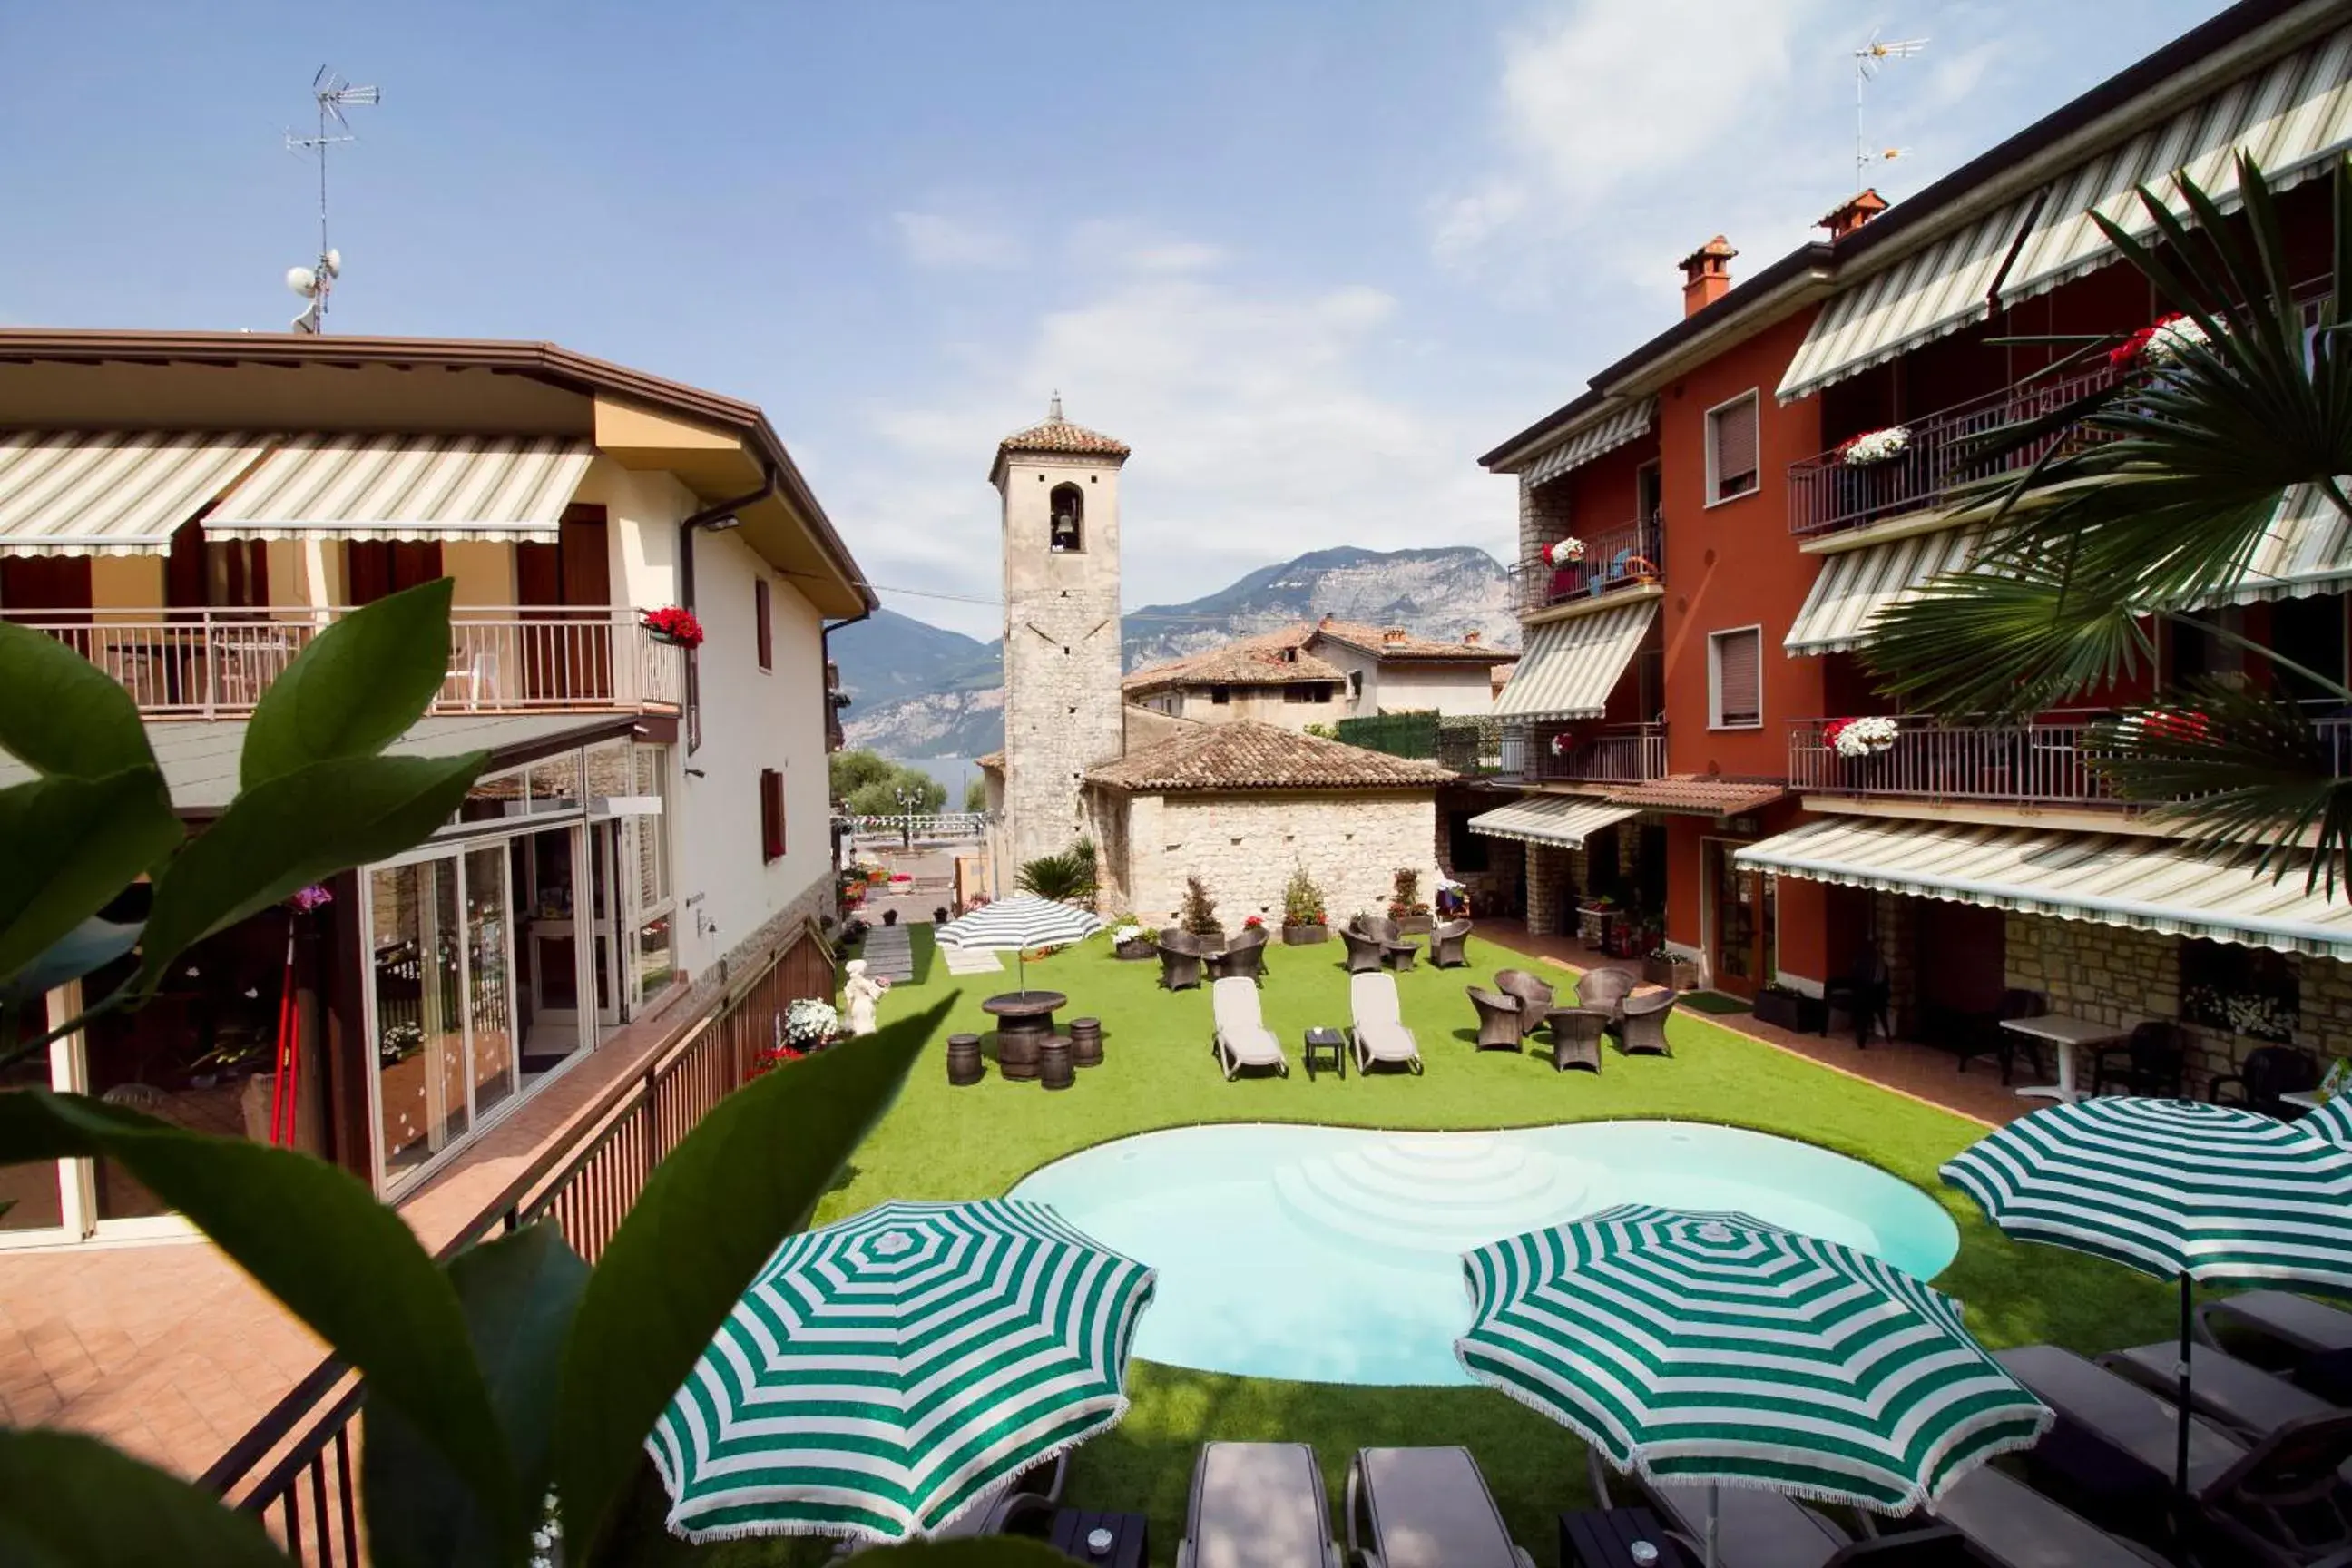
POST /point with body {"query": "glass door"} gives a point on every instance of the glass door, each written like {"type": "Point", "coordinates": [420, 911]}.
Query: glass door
{"type": "Point", "coordinates": [490, 970]}
{"type": "Point", "coordinates": [607, 879]}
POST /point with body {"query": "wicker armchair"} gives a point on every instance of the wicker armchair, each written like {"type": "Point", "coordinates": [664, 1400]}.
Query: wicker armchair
{"type": "Point", "coordinates": [1180, 960]}
{"type": "Point", "coordinates": [1395, 951]}
{"type": "Point", "coordinates": [1445, 945]}
{"type": "Point", "coordinates": [1576, 1035]}
{"type": "Point", "coordinates": [1244, 956]}
{"type": "Point", "coordinates": [2154, 1061]}
{"type": "Point", "coordinates": [2268, 1072]}
{"type": "Point", "coordinates": [1364, 953]}
{"type": "Point", "coordinates": [1605, 989]}
{"type": "Point", "coordinates": [1498, 1020]}
{"type": "Point", "coordinates": [1535, 998]}
{"type": "Point", "coordinates": [1642, 1025]}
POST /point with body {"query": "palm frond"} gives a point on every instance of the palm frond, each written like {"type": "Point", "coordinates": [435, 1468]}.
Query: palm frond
{"type": "Point", "coordinates": [2006, 643]}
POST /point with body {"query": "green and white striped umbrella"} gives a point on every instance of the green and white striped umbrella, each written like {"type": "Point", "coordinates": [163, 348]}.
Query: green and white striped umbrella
{"type": "Point", "coordinates": [887, 1373]}
{"type": "Point", "coordinates": [2332, 1120]}
{"type": "Point", "coordinates": [1714, 1347]}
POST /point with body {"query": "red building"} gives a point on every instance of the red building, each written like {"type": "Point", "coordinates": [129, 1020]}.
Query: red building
{"type": "Point", "coordinates": [1700, 562]}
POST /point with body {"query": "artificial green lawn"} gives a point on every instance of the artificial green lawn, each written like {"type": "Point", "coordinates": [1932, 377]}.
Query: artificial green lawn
{"type": "Point", "coordinates": [945, 1142]}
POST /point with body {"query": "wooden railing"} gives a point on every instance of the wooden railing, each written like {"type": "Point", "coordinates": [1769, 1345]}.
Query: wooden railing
{"type": "Point", "coordinates": [308, 1495]}
{"type": "Point", "coordinates": [211, 664]}
{"type": "Point", "coordinates": [1624, 556]}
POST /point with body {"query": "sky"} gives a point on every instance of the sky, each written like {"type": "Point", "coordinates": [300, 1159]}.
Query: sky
{"type": "Point", "coordinates": [1309, 261]}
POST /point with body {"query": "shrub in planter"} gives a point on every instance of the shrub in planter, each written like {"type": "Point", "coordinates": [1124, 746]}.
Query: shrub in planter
{"type": "Point", "coordinates": [1303, 920]}
{"type": "Point", "coordinates": [1131, 940]}
{"type": "Point", "coordinates": [1663, 968]}
{"type": "Point", "coordinates": [1781, 1005]}
{"type": "Point", "coordinates": [1199, 916]}
{"type": "Point", "coordinates": [1406, 906]}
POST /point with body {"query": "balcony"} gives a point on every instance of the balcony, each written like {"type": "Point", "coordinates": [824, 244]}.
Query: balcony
{"type": "Point", "coordinates": [1619, 754]}
{"type": "Point", "coordinates": [2044, 764]}
{"type": "Point", "coordinates": [1621, 557]}
{"type": "Point", "coordinates": [216, 664]}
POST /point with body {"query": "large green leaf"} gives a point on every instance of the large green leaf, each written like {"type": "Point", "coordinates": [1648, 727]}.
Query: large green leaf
{"type": "Point", "coordinates": [69, 845]}
{"type": "Point", "coordinates": [70, 1501]}
{"type": "Point", "coordinates": [356, 689]}
{"type": "Point", "coordinates": [519, 1293]}
{"type": "Point", "coordinates": [316, 1239]}
{"type": "Point", "coordinates": [60, 714]}
{"type": "Point", "coordinates": [93, 945]}
{"type": "Point", "coordinates": [713, 1212]}
{"type": "Point", "coordinates": [293, 830]}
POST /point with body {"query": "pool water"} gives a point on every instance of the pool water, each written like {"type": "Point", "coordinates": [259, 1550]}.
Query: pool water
{"type": "Point", "coordinates": [1333, 1254]}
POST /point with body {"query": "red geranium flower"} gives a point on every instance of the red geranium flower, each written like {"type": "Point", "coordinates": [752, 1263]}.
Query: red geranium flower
{"type": "Point", "coordinates": [676, 624]}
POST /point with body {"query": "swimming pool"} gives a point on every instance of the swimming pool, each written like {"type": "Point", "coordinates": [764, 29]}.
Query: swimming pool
{"type": "Point", "coordinates": [1333, 1253]}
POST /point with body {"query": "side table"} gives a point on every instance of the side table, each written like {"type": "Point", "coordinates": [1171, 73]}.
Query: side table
{"type": "Point", "coordinates": [1054, 1064]}
{"type": "Point", "coordinates": [1130, 1537]}
{"type": "Point", "coordinates": [1610, 1538]}
{"type": "Point", "coordinates": [1326, 1047]}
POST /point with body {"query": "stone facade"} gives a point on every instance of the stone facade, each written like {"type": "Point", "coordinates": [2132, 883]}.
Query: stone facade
{"type": "Point", "coordinates": [1245, 846]}
{"type": "Point", "coordinates": [1894, 919]}
{"type": "Point", "coordinates": [2119, 976]}
{"type": "Point", "coordinates": [1543, 516]}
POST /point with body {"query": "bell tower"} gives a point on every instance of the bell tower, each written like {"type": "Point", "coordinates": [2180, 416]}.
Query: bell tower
{"type": "Point", "coordinates": [1063, 709]}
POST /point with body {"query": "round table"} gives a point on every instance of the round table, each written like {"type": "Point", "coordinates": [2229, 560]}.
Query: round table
{"type": "Point", "coordinates": [1023, 1020]}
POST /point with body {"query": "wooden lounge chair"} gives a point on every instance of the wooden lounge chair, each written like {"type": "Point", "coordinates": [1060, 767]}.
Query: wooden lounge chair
{"type": "Point", "coordinates": [1244, 957]}
{"type": "Point", "coordinates": [1605, 988]}
{"type": "Point", "coordinates": [1498, 1020]}
{"type": "Point", "coordinates": [2282, 1332]}
{"type": "Point", "coordinates": [1364, 953]}
{"type": "Point", "coordinates": [1380, 1034]}
{"type": "Point", "coordinates": [1242, 1039]}
{"type": "Point", "coordinates": [1180, 960]}
{"type": "Point", "coordinates": [2009, 1525]}
{"type": "Point", "coordinates": [1426, 1508]}
{"type": "Point", "coordinates": [1642, 1024]}
{"type": "Point", "coordinates": [1257, 1505]}
{"type": "Point", "coordinates": [1534, 996]}
{"type": "Point", "coordinates": [2231, 1392]}
{"type": "Point", "coordinates": [1445, 945]}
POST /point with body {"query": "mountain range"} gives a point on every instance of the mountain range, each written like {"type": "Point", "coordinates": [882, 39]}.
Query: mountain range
{"type": "Point", "coordinates": [920, 691]}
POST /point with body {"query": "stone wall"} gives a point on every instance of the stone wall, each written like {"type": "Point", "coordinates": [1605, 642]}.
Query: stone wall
{"type": "Point", "coordinates": [1893, 921]}
{"type": "Point", "coordinates": [2118, 976]}
{"type": "Point", "coordinates": [1245, 846]}
{"type": "Point", "coordinates": [1543, 516]}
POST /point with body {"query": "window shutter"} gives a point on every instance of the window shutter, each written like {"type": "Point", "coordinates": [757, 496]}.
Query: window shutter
{"type": "Point", "coordinates": [771, 815]}
{"type": "Point", "coordinates": [1735, 448]}
{"type": "Point", "coordinates": [1739, 679]}
{"type": "Point", "coordinates": [760, 613]}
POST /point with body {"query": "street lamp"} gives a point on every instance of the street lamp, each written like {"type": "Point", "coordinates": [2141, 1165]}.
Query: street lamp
{"type": "Point", "coordinates": [908, 798]}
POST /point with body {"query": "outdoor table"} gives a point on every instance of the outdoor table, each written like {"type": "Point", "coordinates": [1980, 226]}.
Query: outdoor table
{"type": "Point", "coordinates": [1321, 1043]}
{"type": "Point", "coordinates": [2308, 1098]}
{"type": "Point", "coordinates": [2065, 1033]}
{"type": "Point", "coordinates": [1130, 1537]}
{"type": "Point", "coordinates": [1023, 1020]}
{"type": "Point", "coordinates": [1605, 1537]}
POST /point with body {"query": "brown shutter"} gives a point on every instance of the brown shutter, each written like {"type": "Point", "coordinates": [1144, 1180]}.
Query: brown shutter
{"type": "Point", "coordinates": [1739, 679]}
{"type": "Point", "coordinates": [771, 814]}
{"type": "Point", "coordinates": [1735, 448]}
{"type": "Point", "coordinates": [761, 613]}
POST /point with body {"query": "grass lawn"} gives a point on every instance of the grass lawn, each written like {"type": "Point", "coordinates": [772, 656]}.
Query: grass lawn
{"type": "Point", "coordinates": [943, 1142]}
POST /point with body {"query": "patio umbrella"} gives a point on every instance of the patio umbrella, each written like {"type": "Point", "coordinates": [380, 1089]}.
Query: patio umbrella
{"type": "Point", "coordinates": [2176, 1188]}
{"type": "Point", "coordinates": [1020, 924]}
{"type": "Point", "coordinates": [886, 1374]}
{"type": "Point", "coordinates": [1714, 1347]}
{"type": "Point", "coordinates": [2332, 1120]}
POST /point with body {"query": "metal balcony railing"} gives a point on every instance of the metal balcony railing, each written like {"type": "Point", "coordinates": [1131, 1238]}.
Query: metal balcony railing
{"type": "Point", "coordinates": [1619, 754]}
{"type": "Point", "coordinates": [1621, 557]}
{"type": "Point", "coordinates": [211, 664]}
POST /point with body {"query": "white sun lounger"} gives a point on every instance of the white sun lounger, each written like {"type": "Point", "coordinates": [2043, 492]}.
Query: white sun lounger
{"type": "Point", "coordinates": [1380, 1034]}
{"type": "Point", "coordinates": [1242, 1039]}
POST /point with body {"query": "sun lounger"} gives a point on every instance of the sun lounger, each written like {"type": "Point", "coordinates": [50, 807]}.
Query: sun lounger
{"type": "Point", "coordinates": [2009, 1525]}
{"type": "Point", "coordinates": [2296, 1324]}
{"type": "Point", "coordinates": [1757, 1529]}
{"type": "Point", "coordinates": [1379, 1035]}
{"type": "Point", "coordinates": [2221, 1388]}
{"type": "Point", "coordinates": [1426, 1508]}
{"type": "Point", "coordinates": [1242, 1039]}
{"type": "Point", "coordinates": [1257, 1505]}
{"type": "Point", "coordinates": [2120, 1414]}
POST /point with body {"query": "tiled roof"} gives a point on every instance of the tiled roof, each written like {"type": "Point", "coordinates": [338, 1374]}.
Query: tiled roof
{"type": "Point", "coordinates": [1274, 659]}
{"type": "Point", "coordinates": [1708, 795]}
{"type": "Point", "coordinates": [1372, 639]}
{"type": "Point", "coordinates": [1246, 755]}
{"type": "Point", "coordinates": [1055, 434]}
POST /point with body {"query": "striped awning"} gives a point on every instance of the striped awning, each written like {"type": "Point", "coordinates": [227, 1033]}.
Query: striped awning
{"type": "Point", "coordinates": [2112, 878]}
{"type": "Point", "coordinates": [510, 488]}
{"type": "Point", "coordinates": [2292, 117]}
{"type": "Point", "coordinates": [1569, 668]}
{"type": "Point", "coordinates": [1584, 442]}
{"type": "Point", "coordinates": [1855, 584]}
{"type": "Point", "coordinates": [1562, 819]}
{"type": "Point", "coordinates": [112, 493]}
{"type": "Point", "coordinates": [2308, 551]}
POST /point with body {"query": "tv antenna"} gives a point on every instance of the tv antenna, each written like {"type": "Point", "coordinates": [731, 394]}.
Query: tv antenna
{"type": "Point", "coordinates": [333, 93]}
{"type": "Point", "coordinates": [1867, 60]}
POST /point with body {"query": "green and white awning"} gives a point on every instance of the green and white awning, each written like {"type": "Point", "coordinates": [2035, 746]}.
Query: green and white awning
{"type": "Point", "coordinates": [2112, 878]}
{"type": "Point", "coordinates": [1569, 666]}
{"type": "Point", "coordinates": [887, 1375]}
{"type": "Point", "coordinates": [1855, 584]}
{"type": "Point", "coordinates": [1565, 820]}
{"type": "Point", "coordinates": [1604, 432]}
{"type": "Point", "coordinates": [1714, 1347]}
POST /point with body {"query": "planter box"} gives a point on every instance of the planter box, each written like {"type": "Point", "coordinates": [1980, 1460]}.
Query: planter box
{"type": "Point", "coordinates": [1142, 947]}
{"type": "Point", "coordinates": [1674, 973]}
{"type": "Point", "coordinates": [1414, 925]}
{"type": "Point", "coordinates": [1779, 1009]}
{"type": "Point", "coordinates": [1214, 933]}
{"type": "Point", "coordinates": [1305, 936]}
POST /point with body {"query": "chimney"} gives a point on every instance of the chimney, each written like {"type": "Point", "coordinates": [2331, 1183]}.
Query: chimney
{"type": "Point", "coordinates": [1324, 622]}
{"type": "Point", "coordinates": [1470, 639]}
{"type": "Point", "coordinates": [1706, 275]}
{"type": "Point", "coordinates": [1857, 211]}
{"type": "Point", "coordinates": [1393, 637]}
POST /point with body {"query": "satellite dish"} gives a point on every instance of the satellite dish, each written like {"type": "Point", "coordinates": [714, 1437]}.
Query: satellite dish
{"type": "Point", "coordinates": [332, 263]}
{"type": "Point", "coordinates": [303, 280]}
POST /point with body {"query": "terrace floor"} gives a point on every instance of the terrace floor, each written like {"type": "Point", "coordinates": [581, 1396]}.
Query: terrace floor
{"type": "Point", "coordinates": [1904, 1111]}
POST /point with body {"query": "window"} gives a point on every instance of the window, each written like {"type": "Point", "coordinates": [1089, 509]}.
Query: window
{"type": "Point", "coordinates": [2249, 991]}
{"type": "Point", "coordinates": [1735, 679]}
{"type": "Point", "coordinates": [771, 814]}
{"type": "Point", "coordinates": [1465, 852]}
{"type": "Point", "coordinates": [763, 623]}
{"type": "Point", "coordinates": [1731, 459]}
{"type": "Point", "coordinates": [1298, 693]}
{"type": "Point", "coordinates": [1221, 695]}
{"type": "Point", "coordinates": [1066, 532]}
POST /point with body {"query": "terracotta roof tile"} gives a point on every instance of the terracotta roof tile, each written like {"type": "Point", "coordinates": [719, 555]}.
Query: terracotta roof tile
{"type": "Point", "coordinates": [1708, 795]}
{"type": "Point", "coordinates": [1055, 434]}
{"type": "Point", "coordinates": [1372, 639]}
{"type": "Point", "coordinates": [1246, 755]}
{"type": "Point", "coordinates": [1274, 659]}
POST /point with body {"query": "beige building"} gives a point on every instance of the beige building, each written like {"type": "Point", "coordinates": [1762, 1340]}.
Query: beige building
{"type": "Point", "coordinates": [1318, 672]}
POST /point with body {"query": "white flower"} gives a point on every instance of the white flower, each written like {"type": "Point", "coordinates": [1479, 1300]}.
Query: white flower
{"type": "Point", "coordinates": [1568, 550]}
{"type": "Point", "coordinates": [2171, 339]}
{"type": "Point", "coordinates": [809, 1021]}
{"type": "Point", "coordinates": [1877, 447]}
{"type": "Point", "coordinates": [1127, 933]}
{"type": "Point", "coordinates": [1863, 737]}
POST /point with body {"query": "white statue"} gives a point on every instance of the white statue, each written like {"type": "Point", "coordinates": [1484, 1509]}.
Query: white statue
{"type": "Point", "coordinates": [858, 994]}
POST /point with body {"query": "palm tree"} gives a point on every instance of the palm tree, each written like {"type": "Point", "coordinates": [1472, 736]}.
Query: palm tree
{"type": "Point", "coordinates": [2148, 507]}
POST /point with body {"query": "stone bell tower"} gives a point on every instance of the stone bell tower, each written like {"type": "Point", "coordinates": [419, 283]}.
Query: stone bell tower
{"type": "Point", "coordinates": [1063, 709]}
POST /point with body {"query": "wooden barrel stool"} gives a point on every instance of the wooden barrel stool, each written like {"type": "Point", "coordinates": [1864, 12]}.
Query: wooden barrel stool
{"type": "Point", "coordinates": [1086, 1042]}
{"type": "Point", "coordinates": [1054, 1069]}
{"type": "Point", "coordinates": [964, 1066]}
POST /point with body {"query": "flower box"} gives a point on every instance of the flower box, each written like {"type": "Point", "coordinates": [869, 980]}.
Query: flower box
{"type": "Point", "coordinates": [1781, 1009]}
{"type": "Point", "coordinates": [1674, 973]}
{"type": "Point", "coordinates": [1305, 936]}
{"type": "Point", "coordinates": [1139, 947]}
{"type": "Point", "coordinates": [1414, 925]}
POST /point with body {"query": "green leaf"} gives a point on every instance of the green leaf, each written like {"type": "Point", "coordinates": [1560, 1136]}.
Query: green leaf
{"type": "Point", "coordinates": [356, 689]}
{"type": "Point", "coordinates": [315, 1239]}
{"type": "Point", "coordinates": [91, 945]}
{"type": "Point", "coordinates": [712, 1214]}
{"type": "Point", "coordinates": [60, 714]}
{"type": "Point", "coordinates": [70, 846]}
{"type": "Point", "coordinates": [70, 1501]}
{"type": "Point", "coordinates": [519, 1293]}
{"type": "Point", "coordinates": [296, 829]}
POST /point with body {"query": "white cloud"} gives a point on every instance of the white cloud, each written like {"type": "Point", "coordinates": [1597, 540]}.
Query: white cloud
{"type": "Point", "coordinates": [936, 240]}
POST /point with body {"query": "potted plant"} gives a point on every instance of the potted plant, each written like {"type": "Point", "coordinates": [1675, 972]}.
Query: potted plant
{"type": "Point", "coordinates": [1303, 920]}
{"type": "Point", "coordinates": [674, 624]}
{"type": "Point", "coordinates": [1130, 940]}
{"type": "Point", "coordinates": [1787, 1007]}
{"type": "Point", "coordinates": [1406, 906]}
{"type": "Point", "coordinates": [1663, 967]}
{"type": "Point", "coordinates": [1199, 915]}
